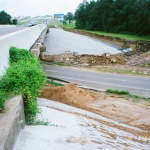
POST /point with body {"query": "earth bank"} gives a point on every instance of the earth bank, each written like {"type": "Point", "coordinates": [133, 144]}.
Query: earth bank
{"type": "Point", "coordinates": [107, 105]}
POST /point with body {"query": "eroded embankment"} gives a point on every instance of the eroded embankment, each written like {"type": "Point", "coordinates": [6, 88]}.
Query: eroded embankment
{"type": "Point", "coordinates": [109, 106]}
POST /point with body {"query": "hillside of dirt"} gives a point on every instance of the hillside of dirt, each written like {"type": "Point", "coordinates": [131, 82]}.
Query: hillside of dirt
{"type": "Point", "coordinates": [107, 105]}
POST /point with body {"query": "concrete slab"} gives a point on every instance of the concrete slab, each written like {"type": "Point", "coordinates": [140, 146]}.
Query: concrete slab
{"type": "Point", "coordinates": [77, 131]}
{"type": "Point", "coordinates": [59, 41]}
{"type": "Point", "coordinates": [50, 137]}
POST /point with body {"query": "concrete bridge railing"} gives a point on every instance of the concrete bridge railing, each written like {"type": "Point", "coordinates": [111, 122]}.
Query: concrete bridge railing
{"type": "Point", "coordinates": [7, 26]}
{"type": "Point", "coordinates": [20, 39]}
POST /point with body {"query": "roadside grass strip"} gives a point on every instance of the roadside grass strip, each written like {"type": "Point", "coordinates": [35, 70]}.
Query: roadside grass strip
{"type": "Point", "coordinates": [54, 83]}
{"type": "Point", "coordinates": [127, 94]}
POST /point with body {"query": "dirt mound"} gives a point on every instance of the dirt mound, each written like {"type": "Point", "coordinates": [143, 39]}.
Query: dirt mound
{"type": "Point", "coordinates": [69, 94]}
{"type": "Point", "coordinates": [85, 59]}
{"type": "Point", "coordinates": [123, 111]}
{"type": "Point", "coordinates": [142, 60]}
{"type": "Point", "coordinates": [110, 106]}
{"type": "Point", "coordinates": [106, 58]}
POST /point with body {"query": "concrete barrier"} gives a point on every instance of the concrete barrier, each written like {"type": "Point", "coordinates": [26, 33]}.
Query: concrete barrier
{"type": "Point", "coordinates": [21, 39]}
{"type": "Point", "coordinates": [36, 48]}
{"type": "Point", "coordinates": [7, 26]}
{"type": "Point", "coordinates": [12, 120]}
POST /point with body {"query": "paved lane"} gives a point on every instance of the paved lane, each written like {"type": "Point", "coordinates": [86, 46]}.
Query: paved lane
{"type": "Point", "coordinates": [59, 41]}
{"type": "Point", "coordinates": [4, 31]}
{"type": "Point", "coordinates": [100, 80]}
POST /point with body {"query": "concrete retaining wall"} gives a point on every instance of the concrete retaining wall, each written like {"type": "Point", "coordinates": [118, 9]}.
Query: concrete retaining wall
{"type": "Point", "coordinates": [12, 120]}
{"type": "Point", "coordinates": [20, 39]}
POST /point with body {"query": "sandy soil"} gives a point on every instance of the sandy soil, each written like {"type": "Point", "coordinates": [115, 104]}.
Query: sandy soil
{"type": "Point", "coordinates": [110, 106]}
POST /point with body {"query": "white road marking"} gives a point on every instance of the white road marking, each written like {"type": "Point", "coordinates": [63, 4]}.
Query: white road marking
{"type": "Point", "coordinates": [50, 70]}
{"type": "Point", "coordinates": [116, 79]}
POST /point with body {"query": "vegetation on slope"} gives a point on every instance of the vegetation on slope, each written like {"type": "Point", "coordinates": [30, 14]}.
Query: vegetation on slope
{"type": "Point", "coordinates": [24, 76]}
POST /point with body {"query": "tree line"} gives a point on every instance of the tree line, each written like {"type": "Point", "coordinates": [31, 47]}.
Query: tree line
{"type": "Point", "coordinates": [5, 18]}
{"type": "Point", "coordinates": [119, 16]}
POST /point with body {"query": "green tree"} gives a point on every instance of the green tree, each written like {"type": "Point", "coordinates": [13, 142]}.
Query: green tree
{"type": "Point", "coordinates": [69, 16]}
{"type": "Point", "coordinates": [5, 18]}
{"type": "Point", "coordinates": [65, 20]}
{"type": "Point", "coordinates": [80, 16]}
{"type": "Point", "coordinates": [15, 21]}
{"type": "Point", "coordinates": [122, 16]}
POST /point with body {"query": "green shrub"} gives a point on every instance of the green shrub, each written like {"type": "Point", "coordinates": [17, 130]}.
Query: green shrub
{"type": "Point", "coordinates": [24, 76]}
{"type": "Point", "coordinates": [20, 54]}
{"type": "Point", "coordinates": [2, 100]}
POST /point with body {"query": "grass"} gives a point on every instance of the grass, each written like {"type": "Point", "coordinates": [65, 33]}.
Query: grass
{"type": "Point", "coordinates": [122, 36]}
{"type": "Point", "coordinates": [127, 94]}
{"type": "Point", "coordinates": [21, 23]}
{"type": "Point", "coordinates": [54, 83]}
{"type": "Point", "coordinates": [72, 25]}
{"type": "Point", "coordinates": [60, 64]}
{"type": "Point", "coordinates": [60, 24]}
{"type": "Point", "coordinates": [119, 35]}
{"type": "Point", "coordinates": [117, 92]}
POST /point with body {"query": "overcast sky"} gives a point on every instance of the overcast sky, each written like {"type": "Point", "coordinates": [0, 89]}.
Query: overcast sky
{"type": "Point", "coordinates": [38, 7]}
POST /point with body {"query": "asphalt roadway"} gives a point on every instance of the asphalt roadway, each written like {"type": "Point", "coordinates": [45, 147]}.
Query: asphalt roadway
{"type": "Point", "coordinates": [4, 31]}
{"type": "Point", "coordinates": [100, 80]}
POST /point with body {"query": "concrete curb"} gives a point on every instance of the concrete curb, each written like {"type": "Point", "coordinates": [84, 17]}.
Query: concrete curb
{"type": "Point", "coordinates": [12, 120]}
